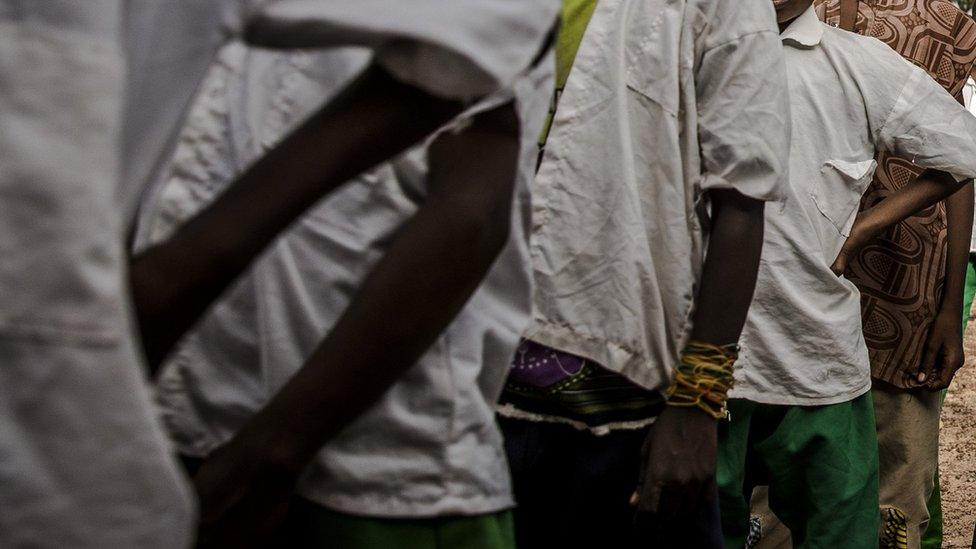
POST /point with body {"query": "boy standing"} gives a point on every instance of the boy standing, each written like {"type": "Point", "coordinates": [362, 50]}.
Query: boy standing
{"type": "Point", "coordinates": [801, 412]}
{"type": "Point", "coordinates": [414, 274]}
{"type": "Point", "coordinates": [912, 277]}
{"type": "Point", "coordinates": [662, 109]}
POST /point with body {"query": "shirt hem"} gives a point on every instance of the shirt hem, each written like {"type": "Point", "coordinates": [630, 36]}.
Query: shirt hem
{"type": "Point", "coordinates": [762, 397]}
{"type": "Point", "coordinates": [511, 412]}
{"type": "Point", "coordinates": [615, 357]}
{"type": "Point", "coordinates": [384, 506]}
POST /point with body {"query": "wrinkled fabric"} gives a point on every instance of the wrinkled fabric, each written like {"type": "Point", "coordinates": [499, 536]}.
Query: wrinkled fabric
{"type": "Point", "coordinates": [666, 100]}
{"type": "Point", "coordinates": [459, 49]}
{"type": "Point", "coordinates": [851, 97]}
{"type": "Point", "coordinates": [83, 460]}
{"type": "Point", "coordinates": [430, 446]}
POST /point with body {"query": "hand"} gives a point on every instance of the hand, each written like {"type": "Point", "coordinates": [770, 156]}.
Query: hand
{"type": "Point", "coordinates": [839, 266]}
{"type": "Point", "coordinates": [849, 250]}
{"type": "Point", "coordinates": [678, 464]}
{"type": "Point", "coordinates": [943, 355]}
{"type": "Point", "coordinates": [244, 494]}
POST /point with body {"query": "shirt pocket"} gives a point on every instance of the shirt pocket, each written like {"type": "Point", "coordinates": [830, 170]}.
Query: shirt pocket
{"type": "Point", "coordinates": [839, 193]}
{"type": "Point", "coordinates": [652, 51]}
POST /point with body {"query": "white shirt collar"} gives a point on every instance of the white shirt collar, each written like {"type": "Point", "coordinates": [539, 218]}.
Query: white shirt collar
{"type": "Point", "coordinates": [806, 30]}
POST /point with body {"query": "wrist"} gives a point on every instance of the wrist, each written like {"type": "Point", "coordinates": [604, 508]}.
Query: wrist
{"type": "Point", "coordinates": [694, 415]}
{"type": "Point", "coordinates": [951, 310]}
{"type": "Point", "coordinates": [703, 378]}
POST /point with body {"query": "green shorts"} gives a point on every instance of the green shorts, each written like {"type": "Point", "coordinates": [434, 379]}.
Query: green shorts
{"type": "Point", "coordinates": [821, 466]}
{"type": "Point", "coordinates": [310, 525]}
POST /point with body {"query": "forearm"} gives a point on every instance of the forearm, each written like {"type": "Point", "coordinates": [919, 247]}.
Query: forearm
{"type": "Point", "coordinates": [374, 119]}
{"type": "Point", "coordinates": [431, 270]}
{"type": "Point", "coordinates": [930, 187]}
{"type": "Point", "coordinates": [731, 265]}
{"type": "Point", "coordinates": [959, 219]}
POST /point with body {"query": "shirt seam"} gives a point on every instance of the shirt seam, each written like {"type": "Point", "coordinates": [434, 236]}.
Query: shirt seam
{"type": "Point", "coordinates": [912, 77]}
{"type": "Point", "coordinates": [61, 333]}
{"type": "Point", "coordinates": [737, 39]}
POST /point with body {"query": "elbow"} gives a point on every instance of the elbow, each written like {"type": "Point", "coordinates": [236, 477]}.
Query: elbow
{"type": "Point", "coordinates": [945, 183]}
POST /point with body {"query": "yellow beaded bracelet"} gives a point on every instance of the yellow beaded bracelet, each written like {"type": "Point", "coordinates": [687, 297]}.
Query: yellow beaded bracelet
{"type": "Point", "coordinates": [703, 378]}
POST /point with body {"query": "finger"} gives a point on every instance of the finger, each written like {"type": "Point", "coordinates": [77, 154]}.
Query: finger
{"type": "Point", "coordinates": [837, 267]}
{"type": "Point", "coordinates": [650, 499]}
{"type": "Point", "coordinates": [642, 473]}
{"type": "Point", "coordinates": [929, 358]}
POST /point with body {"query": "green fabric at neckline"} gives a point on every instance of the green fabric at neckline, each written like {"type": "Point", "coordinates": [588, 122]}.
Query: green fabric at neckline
{"type": "Point", "coordinates": [573, 20]}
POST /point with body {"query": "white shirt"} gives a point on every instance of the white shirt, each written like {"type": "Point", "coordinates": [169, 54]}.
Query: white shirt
{"type": "Point", "coordinates": [458, 49]}
{"type": "Point", "coordinates": [430, 446]}
{"type": "Point", "coordinates": [851, 96]}
{"type": "Point", "coordinates": [666, 100]}
{"type": "Point", "coordinates": [84, 462]}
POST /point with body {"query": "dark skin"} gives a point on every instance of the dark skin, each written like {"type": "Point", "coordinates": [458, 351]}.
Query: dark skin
{"type": "Point", "coordinates": [788, 10]}
{"type": "Point", "coordinates": [400, 309]}
{"type": "Point", "coordinates": [943, 354]}
{"type": "Point", "coordinates": [679, 454]}
{"type": "Point", "coordinates": [175, 282]}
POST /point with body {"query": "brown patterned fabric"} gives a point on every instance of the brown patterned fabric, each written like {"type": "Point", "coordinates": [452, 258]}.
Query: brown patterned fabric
{"type": "Point", "coordinates": [901, 274]}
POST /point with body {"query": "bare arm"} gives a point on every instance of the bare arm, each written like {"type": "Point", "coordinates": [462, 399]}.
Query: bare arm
{"type": "Point", "coordinates": [399, 311]}
{"type": "Point", "coordinates": [944, 353]}
{"type": "Point", "coordinates": [930, 187]}
{"type": "Point", "coordinates": [374, 118]}
{"type": "Point", "coordinates": [729, 275]}
{"type": "Point", "coordinates": [727, 285]}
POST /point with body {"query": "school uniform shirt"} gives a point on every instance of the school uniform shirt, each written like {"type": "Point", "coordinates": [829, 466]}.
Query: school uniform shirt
{"type": "Point", "coordinates": [430, 446]}
{"type": "Point", "coordinates": [457, 49]}
{"type": "Point", "coordinates": [665, 101]}
{"type": "Point", "coordinates": [901, 274]}
{"type": "Point", "coordinates": [84, 462]}
{"type": "Point", "coordinates": [851, 96]}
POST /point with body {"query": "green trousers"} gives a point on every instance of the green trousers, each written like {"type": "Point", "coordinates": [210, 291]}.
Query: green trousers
{"type": "Point", "coordinates": [933, 534]}
{"type": "Point", "coordinates": [821, 466]}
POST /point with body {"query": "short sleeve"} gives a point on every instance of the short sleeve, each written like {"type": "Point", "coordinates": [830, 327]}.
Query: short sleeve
{"type": "Point", "coordinates": [929, 127]}
{"type": "Point", "coordinates": [458, 49]}
{"type": "Point", "coordinates": [743, 108]}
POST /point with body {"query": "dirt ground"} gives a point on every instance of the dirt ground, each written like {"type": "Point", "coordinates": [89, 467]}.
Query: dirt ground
{"type": "Point", "coordinates": [957, 456]}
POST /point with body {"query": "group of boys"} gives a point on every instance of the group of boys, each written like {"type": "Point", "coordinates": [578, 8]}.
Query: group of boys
{"type": "Point", "coordinates": [348, 235]}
